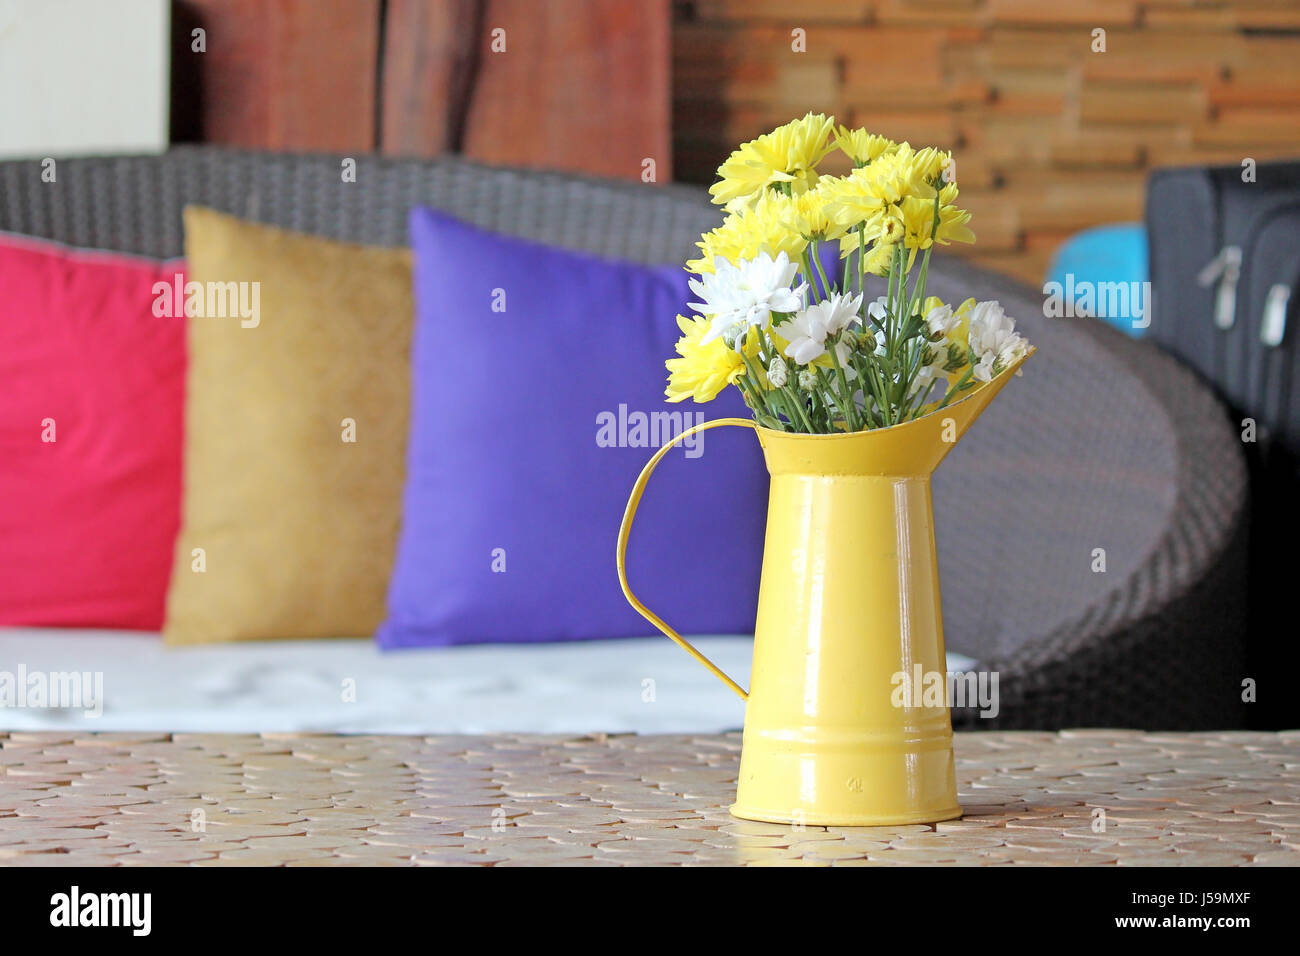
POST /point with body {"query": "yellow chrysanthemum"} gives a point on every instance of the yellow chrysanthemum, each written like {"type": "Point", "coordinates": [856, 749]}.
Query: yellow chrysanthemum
{"type": "Point", "coordinates": [929, 164]}
{"type": "Point", "coordinates": [704, 369]}
{"type": "Point", "coordinates": [961, 333]}
{"type": "Point", "coordinates": [805, 215]}
{"type": "Point", "coordinates": [952, 220]}
{"type": "Point", "coordinates": [865, 195]}
{"type": "Point", "coordinates": [889, 227]}
{"type": "Point", "coordinates": [879, 258]}
{"type": "Point", "coordinates": [860, 146]}
{"type": "Point", "coordinates": [788, 154]}
{"type": "Point", "coordinates": [764, 227]}
{"type": "Point", "coordinates": [884, 228]}
{"type": "Point", "coordinates": [850, 200]}
{"type": "Point", "coordinates": [903, 172]}
{"type": "Point", "coordinates": [919, 230]}
{"type": "Point", "coordinates": [953, 226]}
{"type": "Point", "coordinates": [930, 302]}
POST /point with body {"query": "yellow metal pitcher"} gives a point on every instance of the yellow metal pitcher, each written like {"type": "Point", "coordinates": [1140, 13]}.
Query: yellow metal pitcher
{"type": "Point", "coordinates": [848, 608]}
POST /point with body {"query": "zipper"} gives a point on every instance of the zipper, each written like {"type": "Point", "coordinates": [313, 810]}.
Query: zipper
{"type": "Point", "coordinates": [1278, 363]}
{"type": "Point", "coordinates": [1226, 268]}
{"type": "Point", "coordinates": [1272, 327]}
{"type": "Point", "coordinates": [1274, 387]}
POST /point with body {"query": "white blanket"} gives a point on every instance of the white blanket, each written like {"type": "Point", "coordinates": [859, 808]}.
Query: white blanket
{"type": "Point", "coordinates": [645, 685]}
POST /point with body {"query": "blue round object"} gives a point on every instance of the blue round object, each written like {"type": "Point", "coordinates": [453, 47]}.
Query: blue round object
{"type": "Point", "coordinates": [1097, 259]}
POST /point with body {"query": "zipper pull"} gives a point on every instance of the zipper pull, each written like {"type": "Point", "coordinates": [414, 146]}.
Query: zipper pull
{"type": "Point", "coordinates": [1273, 327]}
{"type": "Point", "coordinates": [1226, 267]}
{"type": "Point", "coordinates": [1213, 269]}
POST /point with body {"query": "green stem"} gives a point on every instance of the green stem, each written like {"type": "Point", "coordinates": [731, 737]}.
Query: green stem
{"type": "Point", "coordinates": [848, 405]}
{"type": "Point", "coordinates": [755, 403]}
{"type": "Point", "coordinates": [862, 263]}
{"type": "Point", "coordinates": [891, 303]}
{"type": "Point", "coordinates": [826, 386]}
{"type": "Point", "coordinates": [955, 387]}
{"type": "Point", "coordinates": [870, 374]}
{"type": "Point", "coordinates": [780, 399]}
{"type": "Point", "coordinates": [792, 400]}
{"type": "Point", "coordinates": [817, 262]}
{"type": "Point", "coordinates": [795, 400]}
{"type": "Point", "coordinates": [911, 399]}
{"type": "Point", "coordinates": [918, 291]}
{"type": "Point", "coordinates": [901, 311]}
{"type": "Point", "coordinates": [770, 398]}
{"type": "Point", "coordinates": [824, 423]}
{"type": "Point", "coordinates": [810, 281]}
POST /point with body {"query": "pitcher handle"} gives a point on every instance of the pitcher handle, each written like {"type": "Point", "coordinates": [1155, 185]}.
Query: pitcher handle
{"type": "Point", "coordinates": [625, 529]}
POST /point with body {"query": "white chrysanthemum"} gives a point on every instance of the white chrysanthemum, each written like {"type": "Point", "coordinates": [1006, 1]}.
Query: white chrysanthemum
{"type": "Point", "coordinates": [940, 320]}
{"type": "Point", "coordinates": [808, 331]}
{"type": "Point", "coordinates": [923, 381]}
{"type": "Point", "coordinates": [879, 309]}
{"type": "Point", "coordinates": [734, 298]}
{"type": "Point", "coordinates": [994, 340]}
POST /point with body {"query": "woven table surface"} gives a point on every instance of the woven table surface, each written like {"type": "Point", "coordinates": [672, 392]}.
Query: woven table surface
{"type": "Point", "coordinates": [1030, 798]}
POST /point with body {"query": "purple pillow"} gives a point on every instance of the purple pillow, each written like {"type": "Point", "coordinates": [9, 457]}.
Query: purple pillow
{"type": "Point", "coordinates": [538, 395]}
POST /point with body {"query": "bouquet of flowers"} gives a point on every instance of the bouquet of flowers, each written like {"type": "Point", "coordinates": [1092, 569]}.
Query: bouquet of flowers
{"type": "Point", "coordinates": [814, 355]}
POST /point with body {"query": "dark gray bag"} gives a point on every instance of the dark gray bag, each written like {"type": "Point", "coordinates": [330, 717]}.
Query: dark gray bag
{"type": "Point", "coordinates": [1225, 272]}
{"type": "Point", "coordinates": [1225, 257]}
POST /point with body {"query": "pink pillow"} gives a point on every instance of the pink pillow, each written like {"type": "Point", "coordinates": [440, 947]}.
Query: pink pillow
{"type": "Point", "coordinates": [88, 520]}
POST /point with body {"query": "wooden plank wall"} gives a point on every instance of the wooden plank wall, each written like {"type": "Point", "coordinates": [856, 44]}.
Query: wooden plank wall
{"type": "Point", "coordinates": [283, 75]}
{"type": "Point", "coordinates": [580, 85]}
{"type": "Point", "coordinates": [1049, 136]}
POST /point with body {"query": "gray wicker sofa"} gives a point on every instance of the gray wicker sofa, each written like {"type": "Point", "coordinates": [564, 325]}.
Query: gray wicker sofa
{"type": "Point", "coordinates": [1105, 450]}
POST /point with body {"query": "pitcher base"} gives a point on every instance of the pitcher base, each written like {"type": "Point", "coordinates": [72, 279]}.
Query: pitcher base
{"type": "Point", "coordinates": [814, 819]}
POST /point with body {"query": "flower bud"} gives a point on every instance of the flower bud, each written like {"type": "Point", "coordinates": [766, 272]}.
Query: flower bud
{"type": "Point", "coordinates": [807, 380]}
{"type": "Point", "coordinates": [776, 372]}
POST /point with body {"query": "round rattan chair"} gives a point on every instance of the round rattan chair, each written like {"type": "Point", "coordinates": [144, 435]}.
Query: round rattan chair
{"type": "Point", "coordinates": [1090, 529]}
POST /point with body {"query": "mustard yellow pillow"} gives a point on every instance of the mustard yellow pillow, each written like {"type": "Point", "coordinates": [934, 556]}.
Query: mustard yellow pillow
{"type": "Point", "coordinates": [295, 432]}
